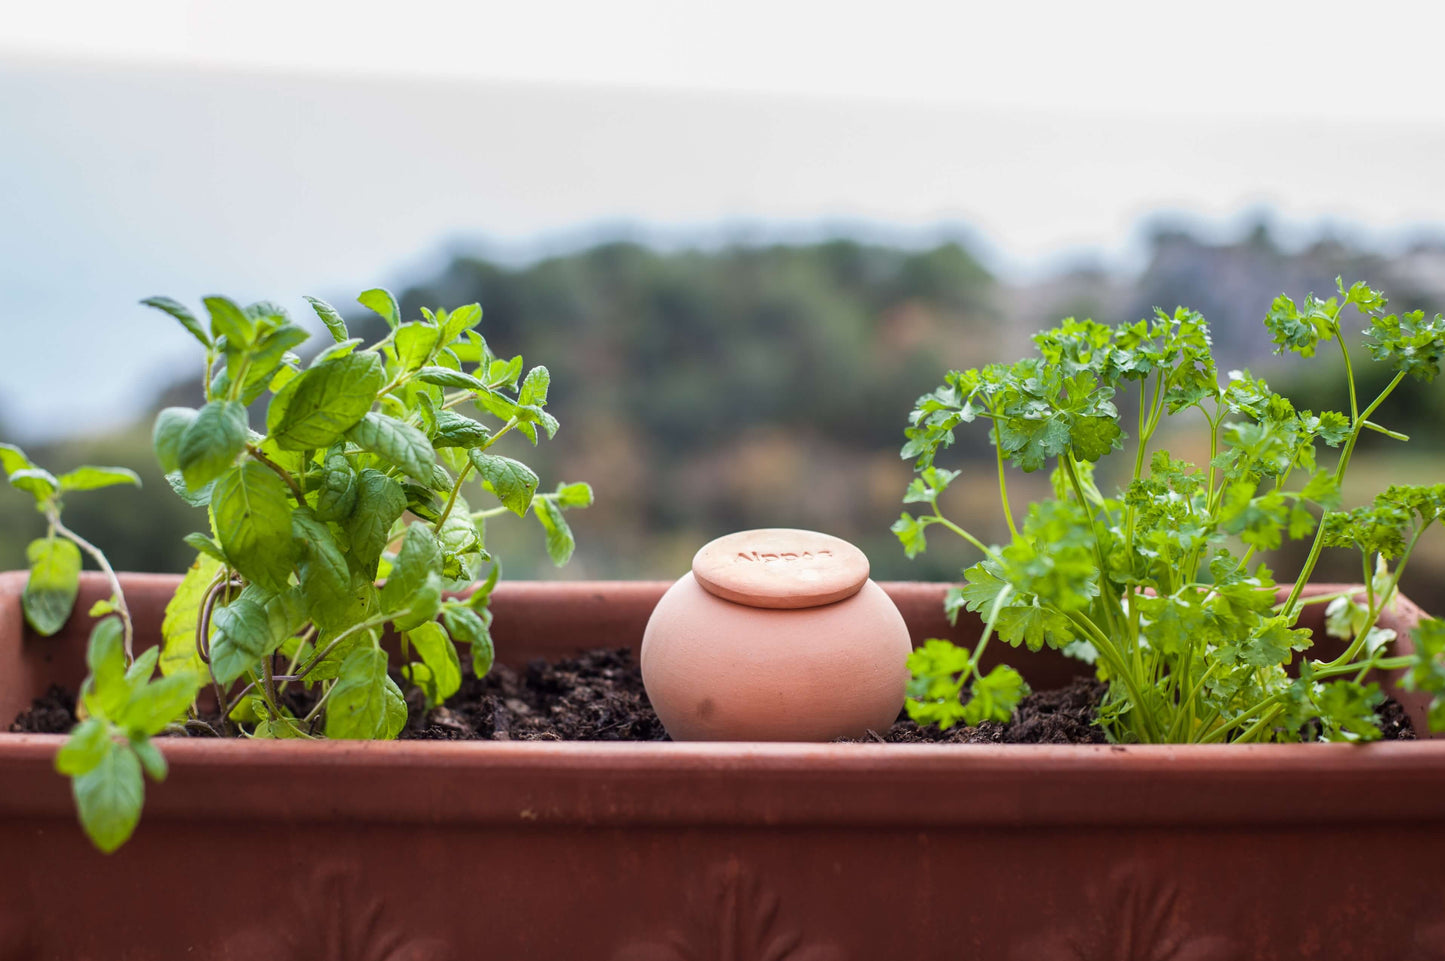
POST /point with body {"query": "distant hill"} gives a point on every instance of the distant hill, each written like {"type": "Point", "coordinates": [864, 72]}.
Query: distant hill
{"type": "Point", "coordinates": [768, 386]}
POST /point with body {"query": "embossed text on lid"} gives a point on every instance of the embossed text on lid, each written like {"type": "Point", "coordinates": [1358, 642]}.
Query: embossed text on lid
{"type": "Point", "coordinates": [780, 567]}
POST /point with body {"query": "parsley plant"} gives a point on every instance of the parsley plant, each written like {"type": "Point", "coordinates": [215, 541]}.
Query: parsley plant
{"type": "Point", "coordinates": [1158, 584]}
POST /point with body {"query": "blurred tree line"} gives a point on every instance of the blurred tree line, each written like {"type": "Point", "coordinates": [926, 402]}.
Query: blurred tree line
{"type": "Point", "coordinates": [705, 392]}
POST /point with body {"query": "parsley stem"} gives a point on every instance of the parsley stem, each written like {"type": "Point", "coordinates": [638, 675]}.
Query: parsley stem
{"type": "Point", "coordinates": [1111, 653]}
{"type": "Point", "coordinates": [1008, 514]}
{"type": "Point", "coordinates": [966, 535]}
{"type": "Point", "coordinates": [1344, 462]}
{"type": "Point", "coordinates": [1353, 650]}
{"type": "Point", "coordinates": [1067, 460]}
{"type": "Point", "coordinates": [1349, 369]}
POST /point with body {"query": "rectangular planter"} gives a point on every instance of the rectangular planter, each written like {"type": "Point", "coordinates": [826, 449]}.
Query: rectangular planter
{"type": "Point", "coordinates": [725, 852]}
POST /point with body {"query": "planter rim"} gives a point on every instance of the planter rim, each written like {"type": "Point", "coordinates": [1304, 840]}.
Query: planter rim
{"type": "Point", "coordinates": [623, 783]}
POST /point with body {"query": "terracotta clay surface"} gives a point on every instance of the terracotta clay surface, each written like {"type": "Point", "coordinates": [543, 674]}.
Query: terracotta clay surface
{"type": "Point", "coordinates": [716, 670]}
{"type": "Point", "coordinates": [780, 567]}
{"type": "Point", "coordinates": [437, 851]}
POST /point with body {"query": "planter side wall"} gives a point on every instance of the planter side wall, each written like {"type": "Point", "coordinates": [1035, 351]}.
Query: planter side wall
{"type": "Point", "coordinates": [744, 852]}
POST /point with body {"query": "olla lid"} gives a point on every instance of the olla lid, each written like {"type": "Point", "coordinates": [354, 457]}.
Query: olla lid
{"type": "Point", "coordinates": [780, 568]}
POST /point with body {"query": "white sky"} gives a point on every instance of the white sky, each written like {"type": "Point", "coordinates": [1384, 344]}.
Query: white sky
{"type": "Point", "coordinates": [272, 149]}
{"type": "Point", "coordinates": [1338, 59]}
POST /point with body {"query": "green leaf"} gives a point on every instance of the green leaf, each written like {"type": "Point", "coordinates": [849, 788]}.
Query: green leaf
{"type": "Point", "coordinates": [460, 320]}
{"type": "Point", "coordinates": [397, 442]}
{"type": "Point", "coordinates": [93, 478]}
{"type": "Point", "coordinates": [154, 705]}
{"type": "Point", "coordinates": [182, 617]}
{"type": "Point", "coordinates": [205, 545]}
{"type": "Point", "coordinates": [559, 535]}
{"type": "Point", "coordinates": [454, 430]}
{"type": "Point", "coordinates": [241, 634]}
{"type": "Point", "coordinates": [179, 311]}
{"type": "Point", "coordinates": [412, 592]}
{"type": "Point", "coordinates": [53, 583]}
{"type": "Point", "coordinates": [267, 357]}
{"type": "Point", "coordinates": [109, 797]}
{"type": "Point", "coordinates": [171, 424]}
{"type": "Point", "coordinates": [336, 497]}
{"type": "Point", "coordinates": [415, 344]}
{"type": "Point", "coordinates": [211, 442]}
{"type": "Point", "coordinates": [317, 408]}
{"type": "Point", "coordinates": [251, 508]}
{"type": "Point", "coordinates": [106, 690]}
{"type": "Point", "coordinates": [910, 531]}
{"type": "Point", "coordinates": [1034, 626]}
{"type": "Point", "coordinates": [150, 758]}
{"type": "Point", "coordinates": [571, 496]}
{"type": "Point", "coordinates": [251, 627]}
{"type": "Point", "coordinates": [357, 706]}
{"type": "Point", "coordinates": [446, 377]}
{"type": "Point", "coordinates": [379, 502]}
{"type": "Point", "coordinates": [382, 302]}
{"type": "Point", "coordinates": [995, 695]}
{"type": "Point", "coordinates": [513, 482]}
{"type": "Point", "coordinates": [38, 482]}
{"type": "Point", "coordinates": [230, 322]}
{"type": "Point", "coordinates": [323, 572]}
{"type": "Point", "coordinates": [13, 459]}
{"type": "Point", "coordinates": [333, 320]}
{"type": "Point", "coordinates": [84, 749]}
{"type": "Point", "coordinates": [534, 388]}
{"type": "Point", "coordinates": [439, 674]}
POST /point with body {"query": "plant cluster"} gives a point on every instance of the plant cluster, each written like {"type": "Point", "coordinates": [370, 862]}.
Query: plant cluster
{"type": "Point", "coordinates": [1159, 584]}
{"type": "Point", "coordinates": [358, 476]}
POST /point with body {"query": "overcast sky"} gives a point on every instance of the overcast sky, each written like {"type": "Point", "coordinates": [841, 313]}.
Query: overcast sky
{"type": "Point", "coordinates": [271, 149]}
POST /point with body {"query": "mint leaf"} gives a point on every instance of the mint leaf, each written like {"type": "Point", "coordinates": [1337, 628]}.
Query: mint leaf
{"type": "Point", "coordinates": [560, 542]}
{"type": "Point", "coordinates": [413, 588]}
{"type": "Point", "coordinates": [211, 442]}
{"type": "Point", "coordinates": [317, 408]}
{"type": "Point", "coordinates": [379, 502]}
{"type": "Point", "coordinates": [183, 315]}
{"type": "Point", "coordinates": [94, 478]}
{"type": "Point", "coordinates": [53, 584]}
{"type": "Point", "coordinates": [357, 709]}
{"type": "Point", "coordinates": [397, 442]}
{"type": "Point", "coordinates": [334, 322]}
{"type": "Point", "coordinates": [109, 796]}
{"type": "Point", "coordinates": [513, 482]}
{"type": "Point", "coordinates": [336, 497]}
{"type": "Point", "coordinates": [251, 509]}
{"type": "Point", "coordinates": [439, 674]}
{"type": "Point", "coordinates": [230, 322]}
{"type": "Point", "coordinates": [415, 343]}
{"type": "Point", "coordinates": [382, 302]}
{"type": "Point", "coordinates": [171, 424]}
{"type": "Point", "coordinates": [182, 617]}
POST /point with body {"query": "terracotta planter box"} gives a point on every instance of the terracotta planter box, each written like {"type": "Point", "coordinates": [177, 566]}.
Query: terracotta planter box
{"type": "Point", "coordinates": [725, 852]}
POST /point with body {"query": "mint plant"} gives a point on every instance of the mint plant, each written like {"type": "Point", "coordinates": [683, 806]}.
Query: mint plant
{"type": "Point", "coordinates": [1159, 584]}
{"type": "Point", "coordinates": [361, 473]}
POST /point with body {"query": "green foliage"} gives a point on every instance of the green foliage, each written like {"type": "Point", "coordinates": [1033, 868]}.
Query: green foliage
{"type": "Point", "coordinates": [302, 520]}
{"type": "Point", "coordinates": [1146, 584]}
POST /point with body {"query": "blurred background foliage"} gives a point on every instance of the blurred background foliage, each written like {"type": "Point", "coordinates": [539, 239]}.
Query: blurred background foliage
{"type": "Point", "coordinates": [702, 392]}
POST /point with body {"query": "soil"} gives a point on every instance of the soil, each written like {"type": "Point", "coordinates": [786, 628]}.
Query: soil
{"type": "Point", "coordinates": [599, 697]}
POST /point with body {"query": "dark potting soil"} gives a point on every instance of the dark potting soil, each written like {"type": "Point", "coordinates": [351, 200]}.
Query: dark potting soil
{"type": "Point", "coordinates": [598, 696]}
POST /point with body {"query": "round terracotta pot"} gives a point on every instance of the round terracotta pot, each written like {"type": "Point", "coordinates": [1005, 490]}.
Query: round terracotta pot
{"type": "Point", "coordinates": [776, 635]}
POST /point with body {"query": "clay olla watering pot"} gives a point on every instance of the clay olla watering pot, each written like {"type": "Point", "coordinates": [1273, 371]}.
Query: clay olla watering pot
{"type": "Point", "coordinates": [776, 635]}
